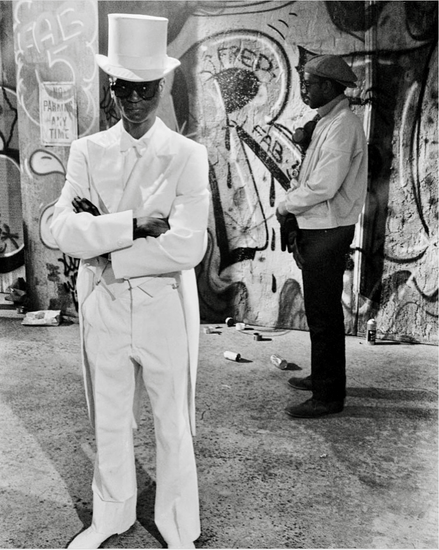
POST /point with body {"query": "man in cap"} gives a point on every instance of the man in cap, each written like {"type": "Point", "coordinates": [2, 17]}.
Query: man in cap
{"type": "Point", "coordinates": [326, 205]}
{"type": "Point", "coordinates": [134, 209]}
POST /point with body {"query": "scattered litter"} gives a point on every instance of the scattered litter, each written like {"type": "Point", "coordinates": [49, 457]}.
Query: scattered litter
{"type": "Point", "coordinates": [257, 336]}
{"type": "Point", "coordinates": [371, 332]}
{"type": "Point", "coordinates": [232, 356]}
{"type": "Point", "coordinates": [17, 293]}
{"type": "Point", "coordinates": [240, 326]}
{"type": "Point", "coordinates": [212, 330]}
{"type": "Point", "coordinates": [44, 317]}
{"type": "Point", "coordinates": [281, 364]}
{"type": "Point", "coordinates": [324, 456]}
{"type": "Point", "coordinates": [230, 321]}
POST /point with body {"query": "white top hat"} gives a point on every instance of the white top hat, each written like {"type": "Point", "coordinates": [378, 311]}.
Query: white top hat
{"type": "Point", "coordinates": [137, 48]}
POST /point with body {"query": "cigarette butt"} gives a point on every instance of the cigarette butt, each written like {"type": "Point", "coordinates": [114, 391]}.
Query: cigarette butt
{"type": "Point", "coordinates": [207, 330]}
{"type": "Point", "coordinates": [232, 356]}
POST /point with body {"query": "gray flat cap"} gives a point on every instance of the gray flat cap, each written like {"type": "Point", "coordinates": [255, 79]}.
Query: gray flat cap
{"type": "Point", "coordinates": [332, 67]}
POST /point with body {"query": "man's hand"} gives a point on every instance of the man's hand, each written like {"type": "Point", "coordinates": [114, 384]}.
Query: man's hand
{"type": "Point", "coordinates": [283, 219]}
{"type": "Point", "coordinates": [147, 226]}
{"type": "Point", "coordinates": [289, 235]}
{"type": "Point", "coordinates": [84, 205]}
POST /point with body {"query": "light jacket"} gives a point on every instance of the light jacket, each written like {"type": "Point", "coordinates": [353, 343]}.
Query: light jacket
{"type": "Point", "coordinates": [333, 177]}
{"type": "Point", "coordinates": [169, 180]}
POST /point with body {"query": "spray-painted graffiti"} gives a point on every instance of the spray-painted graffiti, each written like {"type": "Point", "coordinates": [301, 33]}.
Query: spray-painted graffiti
{"type": "Point", "coordinates": [70, 272]}
{"type": "Point", "coordinates": [11, 221]}
{"type": "Point", "coordinates": [248, 100]}
{"type": "Point", "coordinates": [400, 271]}
{"type": "Point", "coordinates": [239, 92]}
{"type": "Point", "coordinates": [44, 163]}
{"type": "Point", "coordinates": [247, 90]}
{"type": "Point", "coordinates": [409, 287]}
{"type": "Point", "coordinates": [55, 42]}
{"type": "Point", "coordinates": [51, 39]}
{"type": "Point", "coordinates": [400, 279]}
{"type": "Point", "coordinates": [11, 224]}
{"type": "Point", "coordinates": [245, 79]}
{"type": "Point", "coordinates": [66, 282]}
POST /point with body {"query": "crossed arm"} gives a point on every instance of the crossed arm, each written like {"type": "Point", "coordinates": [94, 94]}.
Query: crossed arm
{"type": "Point", "coordinates": [145, 226]}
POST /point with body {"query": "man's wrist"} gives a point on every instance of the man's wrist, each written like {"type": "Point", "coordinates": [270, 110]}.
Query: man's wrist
{"type": "Point", "coordinates": [281, 210]}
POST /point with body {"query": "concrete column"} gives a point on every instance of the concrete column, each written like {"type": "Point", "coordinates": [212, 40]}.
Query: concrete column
{"type": "Point", "coordinates": [58, 90]}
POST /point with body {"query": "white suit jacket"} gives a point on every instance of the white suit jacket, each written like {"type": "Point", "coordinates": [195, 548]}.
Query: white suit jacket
{"type": "Point", "coordinates": [169, 180]}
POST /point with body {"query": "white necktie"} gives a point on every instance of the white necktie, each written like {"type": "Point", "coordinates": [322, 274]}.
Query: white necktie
{"type": "Point", "coordinates": [132, 150]}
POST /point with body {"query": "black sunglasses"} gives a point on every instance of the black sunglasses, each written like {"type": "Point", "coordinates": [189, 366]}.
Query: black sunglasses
{"type": "Point", "coordinates": [145, 90]}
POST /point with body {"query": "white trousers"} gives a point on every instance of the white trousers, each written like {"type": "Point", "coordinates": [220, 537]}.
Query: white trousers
{"type": "Point", "coordinates": [133, 335]}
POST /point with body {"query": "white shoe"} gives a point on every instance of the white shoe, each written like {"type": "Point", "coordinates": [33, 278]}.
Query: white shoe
{"type": "Point", "coordinates": [90, 538]}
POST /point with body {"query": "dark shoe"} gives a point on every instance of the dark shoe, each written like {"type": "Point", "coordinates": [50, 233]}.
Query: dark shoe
{"type": "Point", "coordinates": [313, 408]}
{"type": "Point", "coordinates": [301, 383]}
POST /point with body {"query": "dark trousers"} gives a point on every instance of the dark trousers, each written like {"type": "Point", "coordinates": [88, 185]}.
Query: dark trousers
{"type": "Point", "coordinates": [324, 260]}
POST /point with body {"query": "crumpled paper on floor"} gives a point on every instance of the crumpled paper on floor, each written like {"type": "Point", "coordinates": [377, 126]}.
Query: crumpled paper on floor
{"type": "Point", "coordinates": [44, 318]}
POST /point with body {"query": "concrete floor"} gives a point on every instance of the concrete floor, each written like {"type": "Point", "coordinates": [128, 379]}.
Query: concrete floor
{"type": "Point", "coordinates": [365, 478]}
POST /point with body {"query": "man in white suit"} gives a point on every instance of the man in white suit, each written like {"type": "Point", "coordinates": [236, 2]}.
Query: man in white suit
{"type": "Point", "coordinates": [134, 209]}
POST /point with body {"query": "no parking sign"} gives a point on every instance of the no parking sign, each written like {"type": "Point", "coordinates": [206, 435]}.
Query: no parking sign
{"type": "Point", "coordinates": [58, 115]}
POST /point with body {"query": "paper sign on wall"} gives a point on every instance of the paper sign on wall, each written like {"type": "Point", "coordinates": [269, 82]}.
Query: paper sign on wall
{"type": "Point", "coordinates": [58, 115]}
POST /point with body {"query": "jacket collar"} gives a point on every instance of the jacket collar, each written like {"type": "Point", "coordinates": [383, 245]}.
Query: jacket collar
{"type": "Point", "coordinates": [341, 100]}
{"type": "Point", "coordinates": [157, 138]}
{"type": "Point", "coordinates": [106, 160]}
{"type": "Point", "coordinates": [127, 141]}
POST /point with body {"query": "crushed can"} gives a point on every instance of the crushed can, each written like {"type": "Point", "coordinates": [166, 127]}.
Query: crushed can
{"type": "Point", "coordinates": [278, 362]}
{"type": "Point", "coordinates": [232, 356]}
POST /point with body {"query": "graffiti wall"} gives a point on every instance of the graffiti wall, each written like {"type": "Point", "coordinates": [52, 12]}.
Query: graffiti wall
{"type": "Point", "coordinates": [57, 96]}
{"type": "Point", "coordinates": [239, 92]}
{"type": "Point", "coordinates": [243, 89]}
{"type": "Point", "coordinates": [11, 219]}
{"type": "Point", "coordinates": [403, 279]}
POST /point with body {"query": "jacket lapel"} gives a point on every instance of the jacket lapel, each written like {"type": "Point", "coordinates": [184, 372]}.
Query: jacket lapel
{"type": "Point", "coordinates": [147, 174]}
{"type": "Point", "coordinates": [106, 166]}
